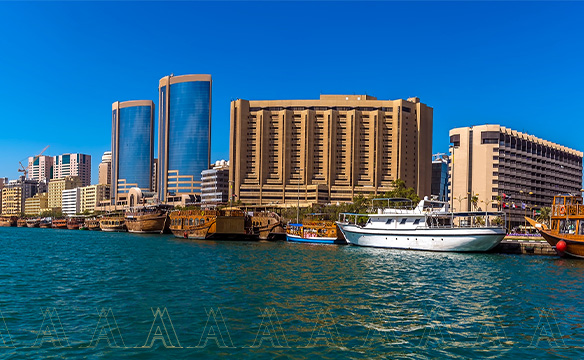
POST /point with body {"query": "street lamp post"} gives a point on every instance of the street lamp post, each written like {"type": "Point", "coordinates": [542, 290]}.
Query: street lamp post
{"type": "Point", "coordinates": [525, 208]}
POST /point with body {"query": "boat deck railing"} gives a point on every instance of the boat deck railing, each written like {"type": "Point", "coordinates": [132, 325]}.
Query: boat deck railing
{"type": "Point", "coordinates": [474, 219]}
{"type": "Point", "coordinates": [563, 210]}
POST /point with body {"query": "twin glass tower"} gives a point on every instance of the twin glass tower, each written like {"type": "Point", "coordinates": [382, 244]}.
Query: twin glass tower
{"type": "Point", "coordinates": [184, 139]}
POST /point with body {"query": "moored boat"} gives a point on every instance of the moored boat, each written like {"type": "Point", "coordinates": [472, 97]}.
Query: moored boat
{"type": "Point", "coordinates": [92, 224]}
{"type": "Point", "coordinates": [315, 229]}
{"type": "Point", "coordinates": [59, 223]}
{"type": "Point", "coordinates": [566, 233]}
{"type": "Point", "coordinates": [46, 223]}
{"type": "Point", "coordinates": [226, 224]}
{"type": "Point", "coordinates": [21, 222]}
{"type": "Point", "coordinates": [429, 226]}
{"type": "Point", "coordinates": [113, 223]}
{"type": "Point", "coordinates": [75, 223]}
{"type": "Point", "coordinates": [8, 220]}
{"type": "Point", "coordinates": [148, 219]}
{"type": "Point", "coordinates": [267, 225]}
{"type": "Point", "coordinates": [32, 223]}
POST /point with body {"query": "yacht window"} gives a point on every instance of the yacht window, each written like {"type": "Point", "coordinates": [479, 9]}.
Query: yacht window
{"type": "Point", "coordinates": [403, 221]}
{"type": "Point", "coordinates": [417, 221]}
{"type": "Point", "coordinates": [389, 221]}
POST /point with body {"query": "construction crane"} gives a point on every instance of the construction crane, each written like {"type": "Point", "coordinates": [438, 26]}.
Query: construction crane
{"type": "Point", "coordinates": [25, 169]}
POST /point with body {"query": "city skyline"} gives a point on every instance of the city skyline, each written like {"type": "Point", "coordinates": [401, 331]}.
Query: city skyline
{"type": "Point", "coordinates": [470, 70]}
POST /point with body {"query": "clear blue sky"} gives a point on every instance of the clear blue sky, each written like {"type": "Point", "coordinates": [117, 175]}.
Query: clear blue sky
{"type": "Point", "coordinates": [62, 64]}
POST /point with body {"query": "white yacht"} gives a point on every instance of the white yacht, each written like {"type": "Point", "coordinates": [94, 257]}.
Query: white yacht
{"type": "Point", "coordinates": [429, 226]}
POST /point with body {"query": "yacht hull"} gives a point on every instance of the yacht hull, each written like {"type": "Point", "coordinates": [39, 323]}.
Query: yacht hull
{"type": "Point", "coordinates": [450, 239]}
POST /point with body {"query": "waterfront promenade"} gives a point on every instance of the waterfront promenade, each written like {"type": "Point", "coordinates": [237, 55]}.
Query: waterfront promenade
{"type": "Point", "coordinates": [315, 301]}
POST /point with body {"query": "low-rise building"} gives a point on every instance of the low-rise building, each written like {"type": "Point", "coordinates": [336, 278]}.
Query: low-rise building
{"type": "Point", "coordinates": [15, 192]}
{"type": "Point", "coordinates": [36, 204]}
{"type": "Point", "coordinates": [56, 187]}
{"type": "Point", "coordinates": [93, 196]}
{"type": "Point", "coordinates": [71, 201]}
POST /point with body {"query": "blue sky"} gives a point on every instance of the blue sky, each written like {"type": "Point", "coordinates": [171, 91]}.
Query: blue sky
{"type": "Point", "coordinates": [62, 64]}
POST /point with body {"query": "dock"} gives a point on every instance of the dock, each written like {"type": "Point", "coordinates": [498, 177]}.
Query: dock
{"type": "Point", "coordinates": [528, 246]}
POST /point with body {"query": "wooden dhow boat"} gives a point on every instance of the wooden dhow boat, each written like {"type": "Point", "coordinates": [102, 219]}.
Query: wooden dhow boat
{"type": "Point", "coordinates": [46, 223]}
{"type": "Point", "coordinates": [21, 222]}
{"type": "Point", "coordinates": [92, 224]}
{"type": "Point", "coordinates": [566, 234]}
{"type": "Point", "coordinates": [148, 219]}
{"type": "Point", "coordinates": [75, 223]}
{"type": "Point", "coordinates": [226, 224]}
{"type": "Point", "coordinates": [113, 223]}
{"type": "Point", "coordinates": [315, 229]}
{"type": "Point", "coordinates": [59, 224]}
{"type": "Point", "coordinates": [267, 225]}
{"type": "Point", "coordinates": [8, 220]}
{"type": "Point", "coordinates": [33, 223]}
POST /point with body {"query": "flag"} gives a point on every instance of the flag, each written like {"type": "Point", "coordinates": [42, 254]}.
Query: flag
{"type": "Point", "coordinates": [523, 206]}
{"type": "Point", "coordinates": [514, 206]}
{"type": "Point", "coordinates": [505, 206]}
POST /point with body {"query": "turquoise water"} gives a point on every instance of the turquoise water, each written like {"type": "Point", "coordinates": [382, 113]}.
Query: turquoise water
{"type": "Point", "coordinates": [277, 300]}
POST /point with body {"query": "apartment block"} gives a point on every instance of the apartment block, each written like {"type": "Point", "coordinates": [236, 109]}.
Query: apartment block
{"type": "Point", "coordinates": [40, 168]}
{"type": "Point", "coordinates": [56, 188]}
{"type": "Point", "coordinates": [92, 196]}
{"type": "Point", "coordinates": [36, 204]}
{"type": "Point", "coordinates": [509, 170]}
{"type": "Point", "coordinates": [73, 165]}
{"type": "Point", "coordinates": [215, 184]}
{"type": "Point", "coordinates": [71, 201]}
{"type": "Point", "coordinates": [15, 193]}
{"type": "Point", "coordinates": [3, 181]}
{"type": "Point", "coordinates": [328, 150]}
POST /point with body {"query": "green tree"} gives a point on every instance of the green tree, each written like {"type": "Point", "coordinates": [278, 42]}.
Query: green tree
{"type": "Point", "coordinates": [544, 215]}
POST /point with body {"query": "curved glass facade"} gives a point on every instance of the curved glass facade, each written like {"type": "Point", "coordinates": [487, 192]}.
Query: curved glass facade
{"type": "Point", "coordinates": [134, 150]}
{"type": "Point", "coordinates": [188, 134]}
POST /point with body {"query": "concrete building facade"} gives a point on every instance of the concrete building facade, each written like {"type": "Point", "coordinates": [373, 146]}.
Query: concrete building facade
{"type": "Point", "coordinates": [56, 188]}
{"type": "Point", "coordinates": [509, 170]}
{"type": "Point", "coordinates": [132, 146]}
{"type": "Point", "coordinates": [215, 184]}
{"type": "Point", "coordinates": [15, 193]}
{"type": "Point", "coordinates": [105, 169]}
{"type": "Point", "coordinates": [184, 130]}
{"type": "Point", "coordinates": [71, 201]}
{"type": "Point", "coordinates": [328, 150]}
{"type": "Point", "coordinates": [93, 196]}
{"type": "Point", "coordinates": [40, 168]}
{"type": "Point", "coordinates": [36, 204]}
{"type": "Point", "coordinates": [73, 165]}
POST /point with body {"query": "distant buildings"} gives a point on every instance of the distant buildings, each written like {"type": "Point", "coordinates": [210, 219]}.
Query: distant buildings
{"type": "Point", "coordinates": [184, 130]}
{"type": "Point", "coordinates": [15, 193]}
{"type": "Point", "coordinates": [215, 183]}
{"type": "Point", "coordinates": [56, 188]}
{"type": "Point", "coordinates": [328, 150]}
{"type": "Point", "coordinates": [105, 169]}
{"type": "Point", "coordinates": [40, 168]}
{"type": "Point", "coordinates": [71, 201]}
{"type": "Point", "coordinates": [73, 165]}
{"type": "Point", "coordinates": [510, 170]}
{"type": "Point", "coordinates": [132, 146]}
{"type": "Point", "coordinates": [93, 196]}
{"type": "Point", "coordinates": [440, 177]}
{"type": "Point", "coordinates": [37, 204]}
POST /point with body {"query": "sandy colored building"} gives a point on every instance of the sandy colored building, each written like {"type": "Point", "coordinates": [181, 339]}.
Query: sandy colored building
{"type": "Point", "coordinates": [36, 204]}
{"type": "Point", "coordinates": [92, 196]}
{"type": "Point", "coordinates": [56, 187]}
{"type": "Point", "coordinates": [328, 150]}
{"type": "Point", "coordinates": [11, 200]}
{"type": "Point", "coordinates": [105, 169]}
{"type": "Point", "coordinates": [510, 170]}
{"type": "Point", "coordinates": [73, 165]}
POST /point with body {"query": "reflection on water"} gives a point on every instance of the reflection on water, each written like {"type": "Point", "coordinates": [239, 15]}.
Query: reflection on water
{"type": "Point", "coordinates": [313, 300]}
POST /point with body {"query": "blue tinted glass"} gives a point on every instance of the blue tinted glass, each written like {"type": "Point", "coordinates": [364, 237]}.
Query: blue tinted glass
{"type": "Point", "coordinates": [161, 139]}
{"type": "Point", "coordinates": [188, 144]}
{"type": "Point", "coordinates": [66, 159]}
{"type": "Point", "coordinates": [134, 157]}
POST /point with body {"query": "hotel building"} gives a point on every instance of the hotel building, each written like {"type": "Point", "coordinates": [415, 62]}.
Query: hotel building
{"type": "Point", "coordinates": [40, 168]}
{"type": "Point", "coordinates": [184, 130]}
{"type": "Point", "coordinates": [328, 150]}
{"type": "Point", "coordinates": [92, 196]}
{"type": "Point", "coordinates": [105, 169]}
{"type": "Point", "coordinates": [73, 165]}
{"type": "Point", "coordinates": [36, 204]}
{"type": "Point", "coordinates": [510, 170]}
{"type": "Point", "coordinates": [132, 146]}
{"type": "Point", "coordinates": [56, 188]}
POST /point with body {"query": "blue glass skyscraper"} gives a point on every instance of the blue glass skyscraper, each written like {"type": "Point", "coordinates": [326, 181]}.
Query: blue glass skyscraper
{"type": "Point", "coordinates": [132, 145]}
{"type": "Point", "coordinates": [184, 134]}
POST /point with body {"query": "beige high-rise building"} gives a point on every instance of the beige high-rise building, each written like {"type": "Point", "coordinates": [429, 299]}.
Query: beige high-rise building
{"type": "Point", "coordinates": [93, 195]}
{"type": "Point", "coordinates": [328, 150]}
{"type": "Point", "coordinates": [40, 168]}
{"type": "Point", "coordinates": [56, 187]}
{"type": "Point", "coordinates": [105, 169]}
{"type": "Point", "coordinates": [36, 204]}
{"type": "Point", "coordinates": [510, 170]}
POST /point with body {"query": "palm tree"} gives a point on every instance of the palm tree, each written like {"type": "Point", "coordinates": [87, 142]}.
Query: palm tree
{"type": "Point", "coordinates": [544, 215]}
